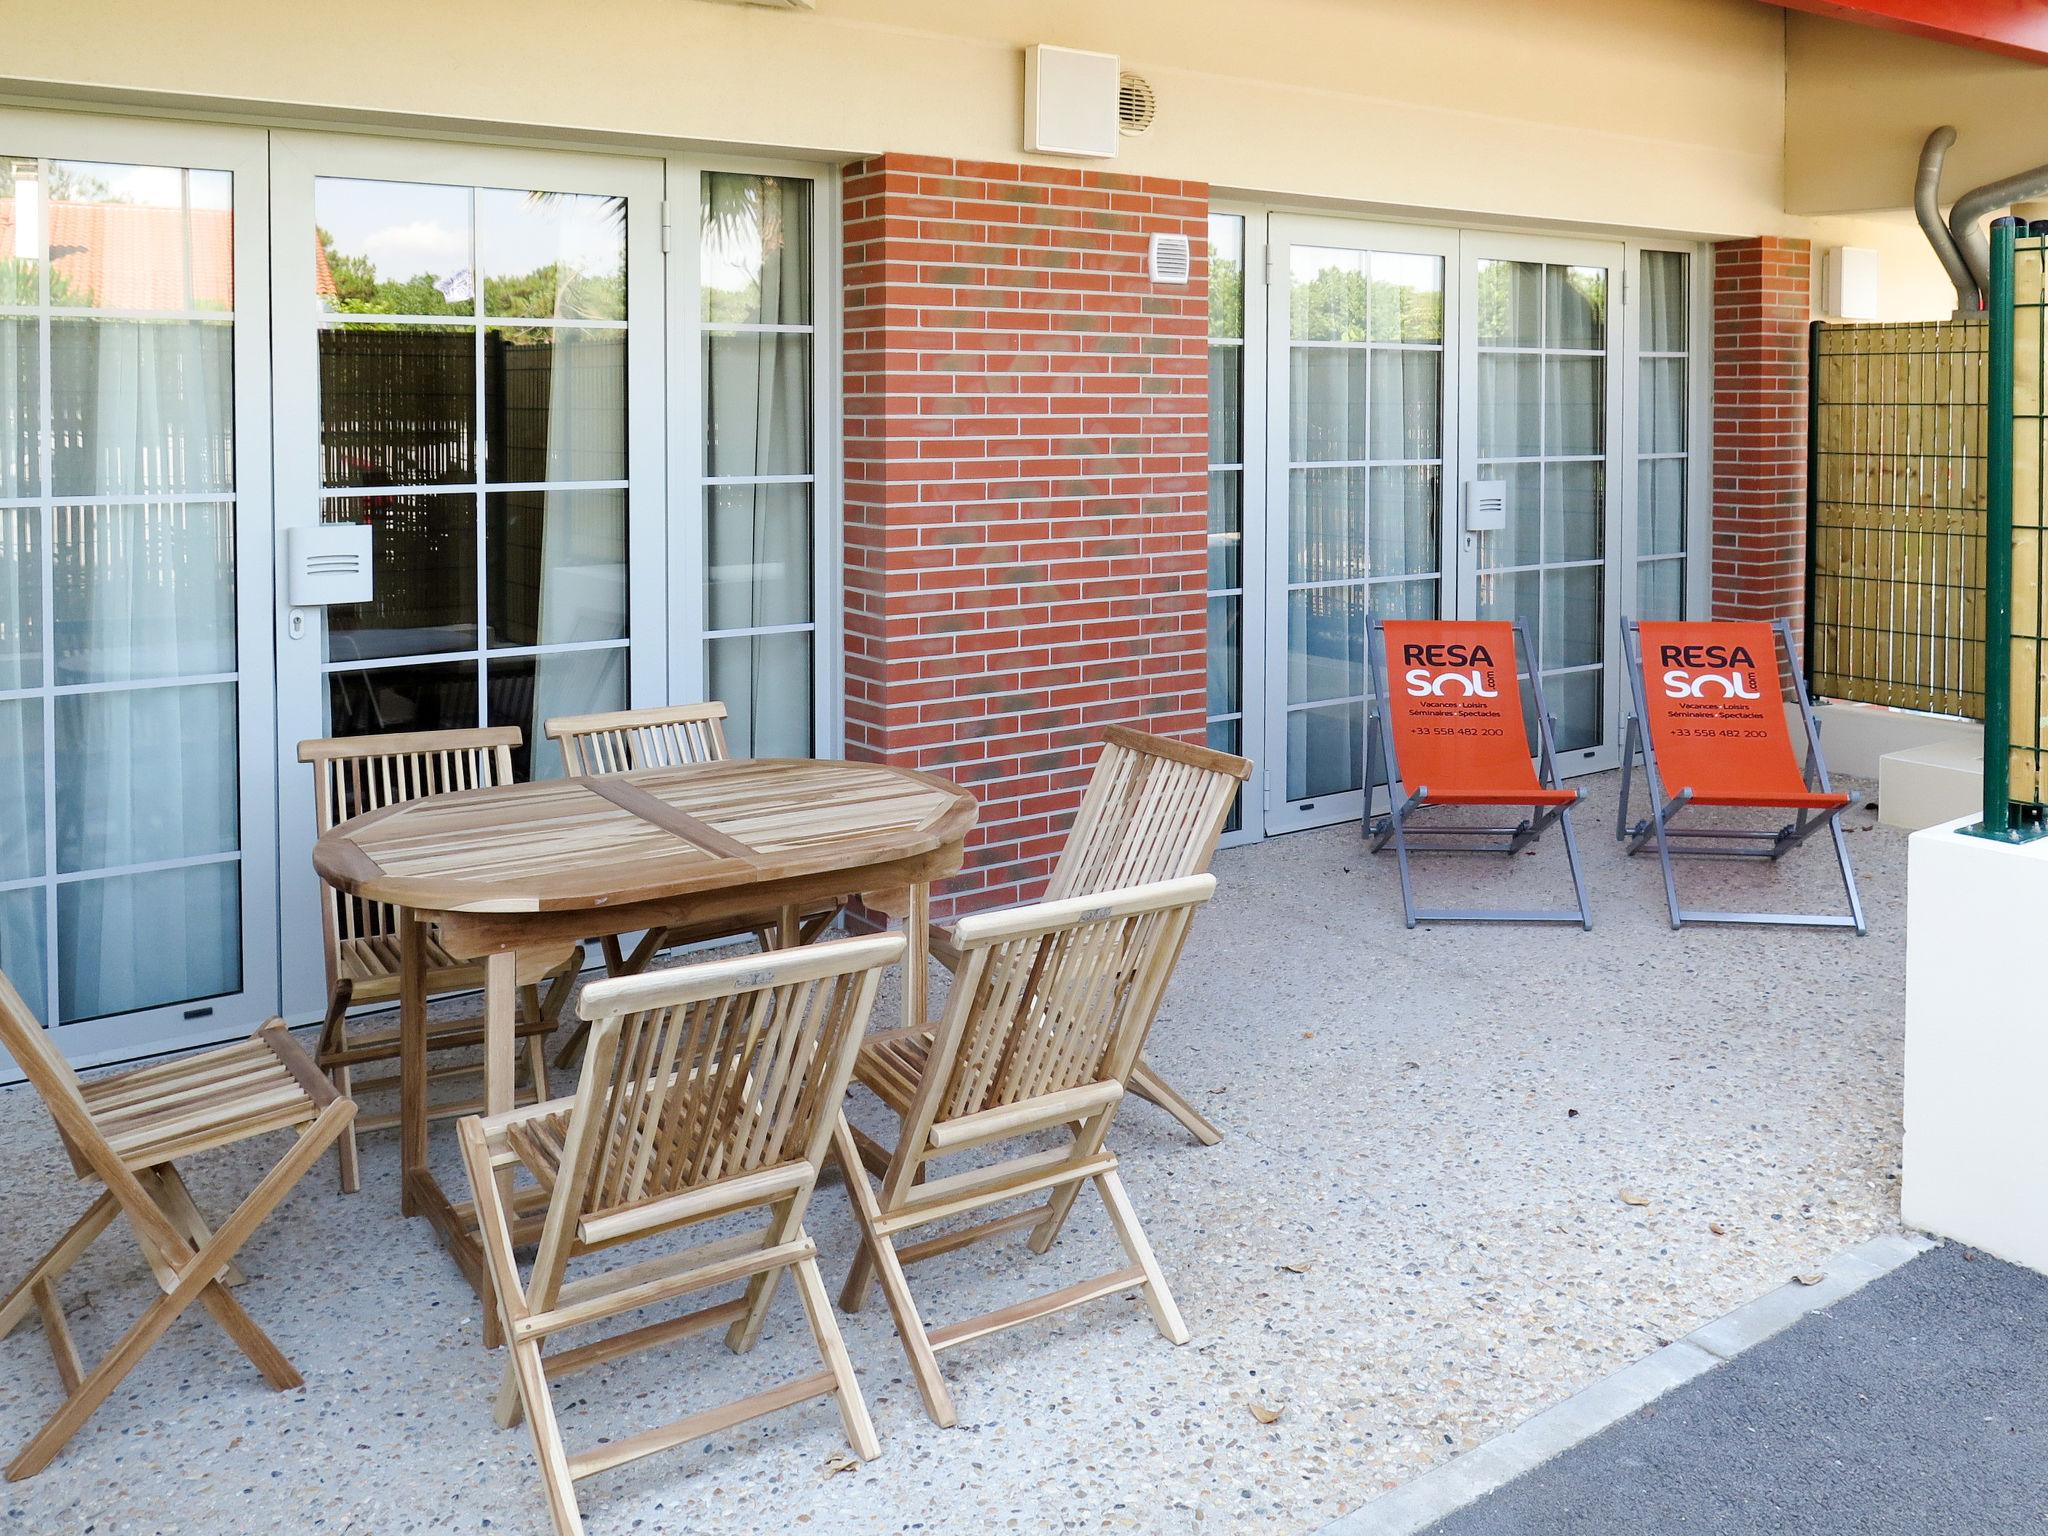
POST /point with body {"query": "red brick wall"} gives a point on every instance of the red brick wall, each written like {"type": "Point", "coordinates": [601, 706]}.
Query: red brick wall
{"type": "Point", "coordinates": [1762, 302]}
{"type": "Point", "coordinates": [1026, 485]}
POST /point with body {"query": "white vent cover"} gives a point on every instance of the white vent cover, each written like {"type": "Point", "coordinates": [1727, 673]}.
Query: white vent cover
{"type": "Point", "coordinates": [1169, 259]}
{"type": "Point", "coordinates": [1849, 283]}
{"type": "Point", "coordinates": [1486, 506]}
{"type": "Point", "coordinates": [329, 563]}
{"type": "Point", "coordinates": [1070, 102]}
{"type": "Point", "coordinates": [1136, 106]}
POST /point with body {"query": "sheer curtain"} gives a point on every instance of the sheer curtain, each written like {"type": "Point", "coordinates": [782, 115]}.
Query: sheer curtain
{"type": "Point", "coordinates": [144, 594]}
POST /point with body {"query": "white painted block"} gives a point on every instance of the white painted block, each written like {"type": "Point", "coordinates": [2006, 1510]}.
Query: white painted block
{"type": "Point", "coordinates": [1856, 736]}
{"type": "Point", "coordinates": [1929, 785]}
{"type": "Point", "coordinates": [1070, 102]}
{"type": "Point", "coordinates": [1976, 1159]}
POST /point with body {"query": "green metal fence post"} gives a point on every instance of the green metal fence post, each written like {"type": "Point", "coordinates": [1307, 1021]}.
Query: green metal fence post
{"type": "Point", "coordinates": [1998, 820]}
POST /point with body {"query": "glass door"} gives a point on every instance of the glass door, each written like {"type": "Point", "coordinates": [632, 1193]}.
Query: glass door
{"type": "Point", "coordinates": [1540, 389]}
{"type": "Point", "coordinates": [137, 887]}
{"type": "Point", "coordinates": [1358, 437]}
{"type": "Point", "coordinates": [469, 349]}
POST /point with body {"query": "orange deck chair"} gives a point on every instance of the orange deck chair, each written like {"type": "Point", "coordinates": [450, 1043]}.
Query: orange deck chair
{"type": "Point", "coordinates": [1710, 723]}
{"type": "Point", "coordinates": [1447, 728]}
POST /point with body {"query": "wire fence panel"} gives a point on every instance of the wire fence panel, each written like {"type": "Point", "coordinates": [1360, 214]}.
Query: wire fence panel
{"type": "Point", "coordinates": [2028, 718]}
{"type": "Point", "coordinates": [1895, 537]}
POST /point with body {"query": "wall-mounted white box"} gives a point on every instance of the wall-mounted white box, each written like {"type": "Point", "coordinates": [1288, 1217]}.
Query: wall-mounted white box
{"type": "Point", "coordinates": [1848, 286]}
{"type": "Point", "coordinates": [1070, 102]}
{"type": "Point", "coordinates": [327, 564]}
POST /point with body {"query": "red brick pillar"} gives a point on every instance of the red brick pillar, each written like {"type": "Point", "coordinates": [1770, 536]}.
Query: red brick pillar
{"type": "Point", "coordinates": [1026, 484]}
{"type": "Point", "coordinates": [1762, 303]}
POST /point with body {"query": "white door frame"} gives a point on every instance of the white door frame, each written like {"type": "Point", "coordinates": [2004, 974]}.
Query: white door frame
{"type": "Point", "coordinates": [240, 151]}
{"type": "Point", "coordinates": [1285, 232]}
{"type": "Point", "coordinates": [297, 158]}
{"type": "Point", "coordinates": [1618, 542]}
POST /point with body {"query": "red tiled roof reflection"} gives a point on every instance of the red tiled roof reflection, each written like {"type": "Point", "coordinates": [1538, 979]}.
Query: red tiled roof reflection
{"type": "Point", "coordinates": [137, 256]}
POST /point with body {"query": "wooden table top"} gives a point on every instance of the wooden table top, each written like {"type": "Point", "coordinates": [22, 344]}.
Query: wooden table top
{"type": "Point", "coordinates": [560, 845]}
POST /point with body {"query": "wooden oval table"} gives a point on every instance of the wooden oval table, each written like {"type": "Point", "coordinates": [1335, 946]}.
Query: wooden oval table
{"type": "Point", "coordinates": [499, 870]}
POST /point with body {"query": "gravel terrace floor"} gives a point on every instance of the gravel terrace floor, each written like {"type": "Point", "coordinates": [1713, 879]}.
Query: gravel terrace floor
{"type": "Point", "coordinates": [1413, 1237]}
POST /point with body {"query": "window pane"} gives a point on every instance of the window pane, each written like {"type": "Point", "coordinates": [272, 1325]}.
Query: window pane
{"type": "Point", "coordinates": [1406, 512]}
{"type": "Point", "coordinates": [1407, 297]}
{"type": "Point", "coordinates": [1403, 599]}
{"type": "Point", "coordinates": [397, 405]}
{"type": "Point", "coordinates": [555, 566]}
{"type": "Point", "coordinates": [1329, 298]}
{"type": "Point", "coordinates": [1510, 304]}
{"type": "Point", "coordinates": [1575, 699]}
{"type": "Point", "coordinates": [192, 918]}
{"type": "Point", "coordinates": [21, 231]}
{"type": "Point", "coordinates": [1326, 395]}
{"type": "Point", "coordinates": [1661, 518]}
{"type": "Point", "coordinates": [1572, 609]}
{"type": "Point", "coordinates": [21, 790]}
{"type": "Point", "coordinates": [528, 691]}
{"type": "Point", "coordinates": [24, 948]}
{"type": "Point", "coordinates": [757, 404]}
{"type": "Point", "coordinates": [1226, 404]}
{"type": "Point", "coordinates": [757, 250]}
{"type": "Point", "coordinates": [1575, 405]}
{"type": "Point", "coordinates": [393, 248]}
{"type": "Point", "coordinates": [764, 681]}
{"type": "Point", "coordinates": [1323, 750]}
{"type": "Point", "coordinates": [560, 254]}
{"type": "Point", "coordinates": [1327, 514]}
{"type": "Point", "coordinates": [1226, 528]}
{"type": "Point", "coordinates": [1325, 643]}
{"type": "Point", "coordinates": [1574, 507]}
{"type": "Point", "coordinates": [142, 406]}
{"type": "Point", "coordinates": [424, 573]}
{"type": "Point", "coordinates": [1666, 301]}
{"type": "Point", "coordinates": [1225, 654]}
{"type": "Point", "coordinates": [1406, 389]}
{"type": "Point", "coordinates": [140, 236]}
{"type": "Point", "coordinates": [1510, 405]}
{"type": "Point", "coordinates": [758, 555]}
{"type": "Point", "coordinates": [441, 696]}
{"type": "Point", "coordinates": [555, 404]}
{"type": "Point", "coordinates": [1575, 307]}
{"type": "Point", "coordinates": [1662, 420]}
{"type": "Point", "coordinates": [1515, 597]}
{"type": "Point", "coordinates": [145, 774]}
{"type": "Point", "coordinates": [144, 591]}
{"type": "Point", "coordinates": [21, 598]}
{"type": "Point", "coordinates": [1226, 275]}
{"type": "Point", "coordinates": [21, 374]}
{"type": "Point", "coordinates": [1660, 590]}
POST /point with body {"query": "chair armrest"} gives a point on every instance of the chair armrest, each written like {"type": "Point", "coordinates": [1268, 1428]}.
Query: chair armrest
{"type": "Point", "coordinates": [940, 943]}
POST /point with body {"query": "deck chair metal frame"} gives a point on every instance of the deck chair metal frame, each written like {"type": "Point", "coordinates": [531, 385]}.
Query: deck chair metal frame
{"type": "Point", "coordinates": [669, 736]}
{"type": "Point", "coordinates": [708, 1091]}
{"type": "Point", "coordinates": [1731, 842]}
{"type": "Point", "coordinates": [127, 1132]}
{"type": "Point", "coordinates": [1048, 1011]}
{"type": "Point", "coordinates": [1154, 809]}
{"type": "Point", "coordinates": [1394, 825]}
{"type": "Point", "coordinates": [361, 943]}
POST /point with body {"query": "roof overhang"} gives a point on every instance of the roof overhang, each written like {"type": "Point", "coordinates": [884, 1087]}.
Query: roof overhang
{"type": "Point", "coordinates": [2015, 28]}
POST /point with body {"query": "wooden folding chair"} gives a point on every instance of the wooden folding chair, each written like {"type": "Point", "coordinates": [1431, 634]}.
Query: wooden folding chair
{"type": "Point", "coordinates": [125, 1132]}
{"type": "Point", "coordinates": [1153, 810]}
{"type": "Point", "coordinates": [1048, 1009]}
{"type": "Point", "coordinates": [1710, 723]}
{"type": "Point", "coordinates": [707, 1091]}
{"type": "Point", "coordinates": [669, 736]}
{"type": "Point", "coordinates": [360, 939]}
{"type": "Point", "coordinates": [1447, 728]}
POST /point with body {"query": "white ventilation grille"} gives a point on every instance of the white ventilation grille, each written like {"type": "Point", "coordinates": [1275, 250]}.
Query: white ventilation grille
{"type": "Point", "coordinates": [1170, 259]}
{"type": "Point", "coordinates": [1136, 106]}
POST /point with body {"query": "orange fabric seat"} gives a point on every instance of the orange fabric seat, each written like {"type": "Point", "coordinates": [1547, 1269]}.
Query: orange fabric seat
{"type": "Point", "coordinates": [1454, 709]}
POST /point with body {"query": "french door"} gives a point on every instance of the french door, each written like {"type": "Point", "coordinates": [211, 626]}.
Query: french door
{"type": "Point", "coordinates": [137, 867]}
{"type": "Point", "coordinates": [1541, 392]}
{"type": "Point", "coordinates": [1408, 368]}
{"type": "Point", "coordinates": [470, 350]}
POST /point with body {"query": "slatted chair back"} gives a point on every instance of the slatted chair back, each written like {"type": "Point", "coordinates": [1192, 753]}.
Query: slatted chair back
{"type": "Point", "coordinates": [356, 774]}
{"type": "Point", "coordinates": [709, 1076]}
{"type": "Point", "coordinates": [1051, 1001]}
{"type": "Point", "coordinates": [1153, 810]}
{"type": "Point", "coordinates": [669, 737]}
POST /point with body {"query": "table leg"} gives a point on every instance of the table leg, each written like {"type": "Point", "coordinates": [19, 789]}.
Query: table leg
{"type": "Point", "coordinates": [412, 1055]}
{"type": "Point", "coordinates": [501, 1013]}
{"type": "Point", "coordinates": [917, 928]}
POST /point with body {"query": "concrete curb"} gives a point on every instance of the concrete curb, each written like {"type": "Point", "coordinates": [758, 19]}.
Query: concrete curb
{"type": "Point", "coordinates": [1450, 1487]}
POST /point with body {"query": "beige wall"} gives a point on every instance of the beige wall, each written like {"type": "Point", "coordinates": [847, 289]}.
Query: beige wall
{"type": "Point", "coordinates": [1662, 115]}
